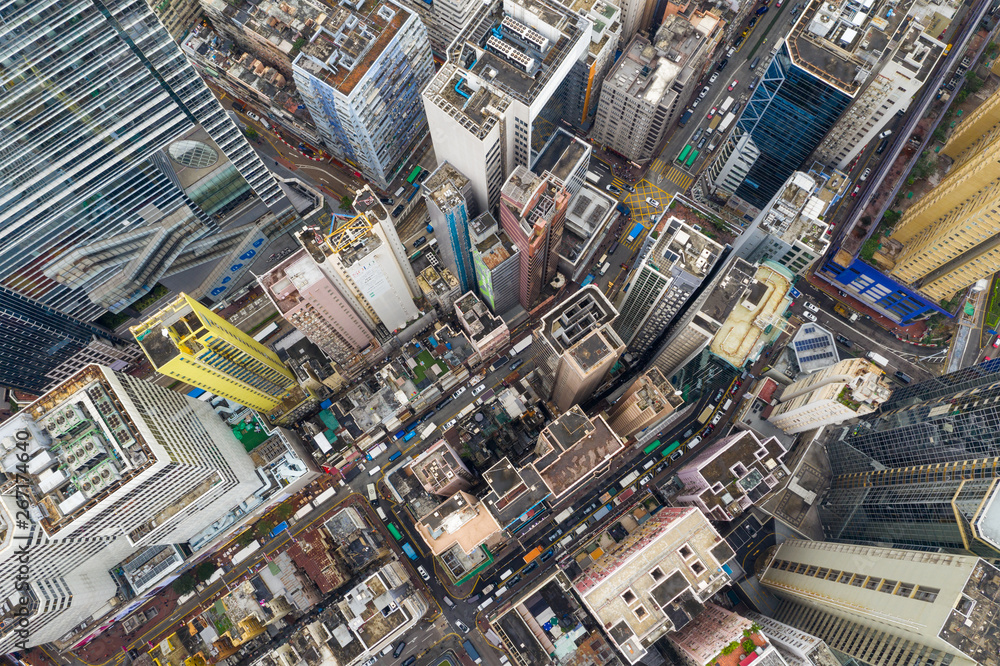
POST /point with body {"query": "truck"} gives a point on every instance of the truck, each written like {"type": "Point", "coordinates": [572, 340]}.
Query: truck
{"type": "Point", "coordinates": [410, 553]}
{"type": "Point", "coordinates": [636, 230]}
{"type": "Point", "coordinates": [877, 359]}
{"type": "Point", "coordinates": [564, 515]}
{"type": "Point", "coordinates": [603, 511]}
{"type": "Point", "coordinates": [711, 144]}
{"type": "Point", "coordinates": [623, 209]}
{"type": "Point", "coordinates": [532, 554]}
{"type": "Point", "coordinates": [376, 451]}
{"type": "Point", "coordinates": [593, 177]}
{"type": "Point", "coordinates": [712, 125]}
{"type": "Point", "coordinates": [605, 267]}
{"type": "Point", "coordinates": [628, 478]}
{"type": "Point", "coordinates": [520, 346]}
{"type": "Point", "coordinates": [686, 116]}
{"type": "Point", "coordinates": [845, 313]}
{"type": "Point", "coordinates": [706, 413]}
{"type": "Point", "coordinates": [726, 122]}
{"type": "Point", "coordinates": [372, 496]}
{"type": "Point", "coordinates": [471, 649]}
{"type": "Point", "coordinates": [726, 105]}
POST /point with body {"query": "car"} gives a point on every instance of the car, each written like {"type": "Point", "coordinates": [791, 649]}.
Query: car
{"type": "Point", "coordinates": [702, 142]}
{"type": "Point", "coordinates": [409, 661]}
{"type": "Point", "coordinates": [762, 10]}
{"type": "Point", "coordinates": [253, 116]}
{"type": "Point", "coordinates": [704, 91]}
{"type": "Point", "coordinates": [459, 392]}
{"type": "Point", "coordinates": [715, 419]}
{"type": "Point", "coordinates": [652, 202]}
{"type": "Point", "coordinates": [809, 315]}
{"type": "Point", "coordinates": [676, 455]}
{"type": "Point", "coordinates": [646, 479]}
{"type": "Point", "coordinates": [856, 190]}
{"type": "Point", "coordinates": [711, 79]}
{"type": "Point", "coordinates": [752, 23]}
{"type": "Point", "coordinates": [885, 134]}
{"type": "Point", "coordinates": [547, 555]}
{"type": "Point", "coordinates": [612, 188]}
{"type": "Point", "coordinates": [711, 114]}
{"type": "Point", "coordinates": [531, 567]}
{"type": "Point", "coordinates": [514, 581]}
{"type": "Point", "coordinates": [697, 135]}
{"type": "Point", "coordinates": [420, 241]}
{"type": "Point", "coordinates": [733, 84]}
{"type": "Point", "coordinates": [697, 440]}
{"type": "Point", "coordinates": [881, 146]}
{"type": "Point", "coordinates": [479, 389]}
{"type": "Point", "coordinates": [864, 176]}
{"type": "Point", "coordinates": [722, 64]}
{"type": "Point", "coordinates": [630, 188]}
{"type": "Point", "coordinates": [737, 43]}
{"type": "Point", "coordinates": [694, 104]}
{"type": "Point", "coordinates": [423, 573]}
{"type": "Point", "coordinates": [810, 306]}
{"type": "Point", "coordinates": [423, 175]}
{"type": "Point", "coordinates": [902, 376]}
{"type": "Point", "coordinates": [778, 3]}
{"type": "Point", "coordinates": [736, 387]}
{"type": "Point", "coordinates": [399, 649]}
{"type": "Point", "coordinates": [388, 201]}
{"type": "Point", "coordinates": [397, 211]}
{"type": "Point", "coordinates": [463, 626]}
{"type": "Point", "coordinates": [517, 364]}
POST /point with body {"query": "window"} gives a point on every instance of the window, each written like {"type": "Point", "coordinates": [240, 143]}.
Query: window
{"type": "Point", "coordinates": [697, 567]}
{"type": "Point", "coordinates": [928, 594]}
{"type": "Point", "coordinates": [629, 597]}
{"type": "Point", "coordinates": [904, 590]}
{"type": "Point", "coordinates": [872, 583]}
{"type": "Point", "coordinates": [685, 552]}
{"type": "Point", "coordinates": [858, 580]}
{"type": "Point", "coordinates": [888, 586]}
{"type": "Point", "coordinates": [640, 612]}
{"type": "Point", "coordinates": [657, 574]}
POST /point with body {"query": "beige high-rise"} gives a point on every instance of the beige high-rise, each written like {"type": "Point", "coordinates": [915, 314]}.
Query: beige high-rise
{"type": "Point", "coordinates": [950, 235]}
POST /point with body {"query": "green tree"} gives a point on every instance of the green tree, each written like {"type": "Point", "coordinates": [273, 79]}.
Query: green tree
{"type": "Point", "coordinates": [962, 95]}
{"type": "Point", "coordinates": [264, 527]}
{"type": "Point", "coordinates": [205, 570]}
{"type": "Point", "coordinates": [346, 202]}
{"type": "Point", "coordinates": [185, 583]}
{"type": "Point", "coordinates": [891, 217]}
{"type": "Point", "coordinates": [869, 249]}
{"type": "Point", "coordinates": [972, 82]}
{"type": "Point", "coordinates": [251, 133]}
{"type": "Point", "coordinates": [283, 511]}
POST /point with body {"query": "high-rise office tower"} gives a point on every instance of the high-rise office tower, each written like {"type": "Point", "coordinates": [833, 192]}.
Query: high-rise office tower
{"type": "Point", "coordinates": [645, 90]}
{"type": "Point", "coordinates": [797, 101]}
{"type": "Point", "coordinates": [647, 401]}
{"type": "Point", "coordinates": [118, 165]}
{"type": "Point", "coordinates": [502, 70]}
{"type": "Point", "coordinates": [636, 16]}
{"type": "Point", "coordinates": [533, 213]}
{"type": "Point", "coordinates": [498, 266]}
{"type": "Point", "coordinates": [115, 464]}
{"type": "Point", "coordinates": [580, 90]}
{"type": "Point", "coordinates": [848, 389]}
{"type": "Point", "coordinates": [42, 346]}
{"type": "Point", "coordinates": [450, 205]}
{"type": "Point", "coordinates": [489, 335]}
{"type": "Point", "coordinates": [360, 76]}
{"type": "Point", "coordinates": [756, 317]}
{"type": "Point", "coordinates": [948, 235]}
{"type": "Point", "coordinates": [187, 341]}
{"type": "Point", "coordinates": [312, 303]}
{"type": "Point", "coordinates": [566, 157]}
{"type": "Point", "coordinates": [884, 606]}
{"type": "Point", "coordinates": [444, 20]}
{"type": "Point", "coordinates": [575, 347]}
{"type": "Point", "coordinates": [662, 283]}
{"type": "Point", "coordinates": [919, 472]}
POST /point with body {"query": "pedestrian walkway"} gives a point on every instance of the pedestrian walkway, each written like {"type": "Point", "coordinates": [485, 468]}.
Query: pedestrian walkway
{"type": "Point", "coordinates": [620, 183]}
{"type": "Point", "coordinates": [680, 178]}
{"type": "Point", "coordinates": [658, 166]}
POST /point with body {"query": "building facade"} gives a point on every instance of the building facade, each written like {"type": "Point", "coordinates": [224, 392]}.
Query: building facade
{"type": "Point", "coordinates": [448, 195]}
{"type": "Point", "coordinates": [360, 76]}
{"type": "Point", "coordinates": [187, 341]}
{"type": "Point", "coordinates": [533, 214]}
{"type": "Point", "coordinates": [662, 283]}
{"type": "Point", "coordinates": [647, 401]}
{"type": "Point", "coordinates": [884, 606]}
{"type": "Point", "coordinates": [498, 269]}
{"type": "Point", "coordinates": [129, 204]}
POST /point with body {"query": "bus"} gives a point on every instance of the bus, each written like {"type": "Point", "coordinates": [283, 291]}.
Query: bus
{"type": "Point", "coordinates": [652, 447]}
{"type": "Point", "coordinates": [394, 531]}
{"type": "Point", "coordinates": [266, 331]}
{"type": "Point", "coordinates": [413, 175]}
{"type": "Point", "coordinates": [684, 154]}
{"type": "Point", "coordinates": [691, 158]}
{"type": "Point", "coordinates": [670, 449]}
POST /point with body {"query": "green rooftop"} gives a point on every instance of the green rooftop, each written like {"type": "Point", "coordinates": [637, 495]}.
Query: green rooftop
{"type": "Point", "coordinates": [251, 434]}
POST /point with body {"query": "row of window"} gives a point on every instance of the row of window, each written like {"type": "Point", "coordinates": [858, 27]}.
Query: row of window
{"type": "Point", "coordinates": [874, 583]}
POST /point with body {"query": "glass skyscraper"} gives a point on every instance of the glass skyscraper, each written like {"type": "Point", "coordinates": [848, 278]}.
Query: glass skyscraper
{"type": "Point", "coordinates": [922, 472]}
{"type": "Point", "coordinates": [108, 141]}
{"type": "Point", "coordinates": [789, 113]}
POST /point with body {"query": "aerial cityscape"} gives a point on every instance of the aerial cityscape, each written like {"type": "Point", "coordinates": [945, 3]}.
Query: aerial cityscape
{"type": "Point", "coordinates": [502, 332]}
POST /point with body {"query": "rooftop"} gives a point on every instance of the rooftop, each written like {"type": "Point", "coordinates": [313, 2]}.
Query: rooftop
{"type": "Point", "coordinates": [584, 312]}
{"type": "Point", "coordinates": [970, 626]}
{"type": "Point", "coordinates": [513, 492]}
{"type": "Point", "coordinates": [284, 282]}
{"type": "Point", "coordinates": [348, 40]}
{"type": "Point", "coordinates": [841, 42]}
{"type": "Point", "coordinates": [476, 318]}
{"type": "Point", "coordinates": [461, 519]}
{"type": "Point", "coordinates": [814, 348]}
{"type": "Point", "coordinates": [798, 211]}
{"type": "Point", "coordinates": [756, 316]}
{"type": "Point", "coordinates": [561, 154]}
{"type": "Point", "coordinates": [496, 249]}
{"type": "Point", "coordinates": [431, 280]}
{"type": "Point", "coordinates": [483, 225]}
{"type": "Point", "coordinates": [681, 247]}
{"type": "Point", "coordinates": [572, 447]}
{"type": "Point", "coordinates": [712, 630]}
{"type": "Point", "coordinates": [445, 185]}
{"type": "Point", "coordinates": [437, 466]}
{"type": "Point", "coordinates": [736, 471]}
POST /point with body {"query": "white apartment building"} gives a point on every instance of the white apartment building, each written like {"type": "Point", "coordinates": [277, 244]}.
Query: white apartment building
{"type": "Point", "coordinates": [360, 76]}
{"type": "Point", "coordinates": [114, 464]}
{"type": "Point", "coordinates": [482, 104]}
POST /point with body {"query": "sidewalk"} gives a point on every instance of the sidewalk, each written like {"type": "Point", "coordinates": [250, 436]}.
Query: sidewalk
{"type": "Point", "coordinates": [912, 333]}
{"type": "Point", "coordinates": [109, 644]}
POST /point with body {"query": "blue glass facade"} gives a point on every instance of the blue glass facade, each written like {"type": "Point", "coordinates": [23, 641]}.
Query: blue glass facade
{"type": "Point", "coordinates": [458, 240]}
{"type": "Point", "coordinates": [787, 116]}
{"type": "Point", "coordinates": [870, 285]}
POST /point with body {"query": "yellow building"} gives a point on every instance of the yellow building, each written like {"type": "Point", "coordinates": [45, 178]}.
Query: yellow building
{"type": "Point", "coordinates": [948, 236]}
{"type": "Point", "coordinates": [189, 342]}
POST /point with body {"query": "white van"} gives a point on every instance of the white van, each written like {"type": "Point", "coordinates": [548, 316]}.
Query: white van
{"type": "Point", "coordinates": [398, 192]}
{"type": "Point", "coordinates": [500, 591]}
{"type": "Point", "coordinates": [483, 606]}
{"type": "Point", "coordinates": [649, 464]}
{"type": "Point", "coordinates": [381, 514]}
{"type": "Point", "coordinates": [727, 405]}
{"type": "Point", "coordinates": [718, 417]}
{"type": "Point", "coordinates": [581, 529]}
{"type": "Point", "coordinates": [448, 602]}
{"type": "Point", "coordinates": [694, 442]}
{"type": "Point", "coordinates": [372, 496]}
{"type": "Point", "coordinates": [506, 574]}
{"type": "Point", "coordinates": [374, 471]}
{"type": "Point", "coordinates": [487, 589]}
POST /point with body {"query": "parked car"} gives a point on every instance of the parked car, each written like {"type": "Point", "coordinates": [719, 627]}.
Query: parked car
{"type": "Point", "coordinates": [762, 10]}
{"type": "Point", "coordinates": [865, 175]}
{"type": "Point", "coordinates": [676, 454]}
{"type": "Point", "coordinates": [547, 554]}
{"type": "Point", "coordinates": [752, 22]}
{"type": "Point", "coordinates": [397, 211]}
{"type": "Point", "coordinates": [844, 341]}
{"type": "Point", "coordinates": [479, 389]}
{"type": "Point", "coordinates": [856, 190]}
{"type": "Point", "coordinates": [646, 479]}
{"type": "Point", "coordinates": [409, 661]}
{"type": "Point", "coordinates": [459, 392]}
{"type": "Point", "coordinates": [388, 201]}
{"type": "Point", "coordinates": [711, 114]}
{"type": "Point", "coordinates": [733, 84]}
{"type": "Point", "coordinates": [809, 315]}
{"type": "Point", "coordinates": [531, 567]}
{"type": "Point", "coordinates": [704, 91]}
{"type": "Point", "coordinates": [423, 573]}
{"type": "Point", "coordinates": [399, 648]}
{"type": "Point", "coordinates": [810, 306]}
{"type": "Point", "coordinates": [702, 142]}
{"type": "Point", "coordinates": [420, 241]}
{"type": "Point", "coordinates": [722, 64]}
{"type": "Point", "coordinates": [712, 78]}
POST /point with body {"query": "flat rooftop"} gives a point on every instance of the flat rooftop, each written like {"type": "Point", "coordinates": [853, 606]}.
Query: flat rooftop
{"type": "Point", "coordinates": [648, 69]}
{"type": "Point", "coordinates": [461, 520]}
{"type": "Point", "coordinates": [734, 281]}
{"type": "Point", "coordinates": [682, 247]}
{"type": "Point", "coordinates": [478, 321]}
{"type": "Point", "coordinates": [561, 154]}
{"type": "Point", "coordinates": [814, 348]}
{"type": "Point", "coordinates": [353, 239]}
{"type": "Point", "coordinates": [496, 249]}
{"type": "Point", "coordinates": [797, 213]}
{"type": "Point", "coordinates": [571, 447]}
{"type": "Point", "coordinates": [576, 317]}
{"type": "Point", "coordinates": [444, 186]}
{"type": "Point", "coordinates": [347, 41]}
{"type": "Point", "coordinates": [755, 316]}
{"type": "Point", "coordinates": [838, 42]}
{"type": "Point", "coordinates": [513, 491]}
